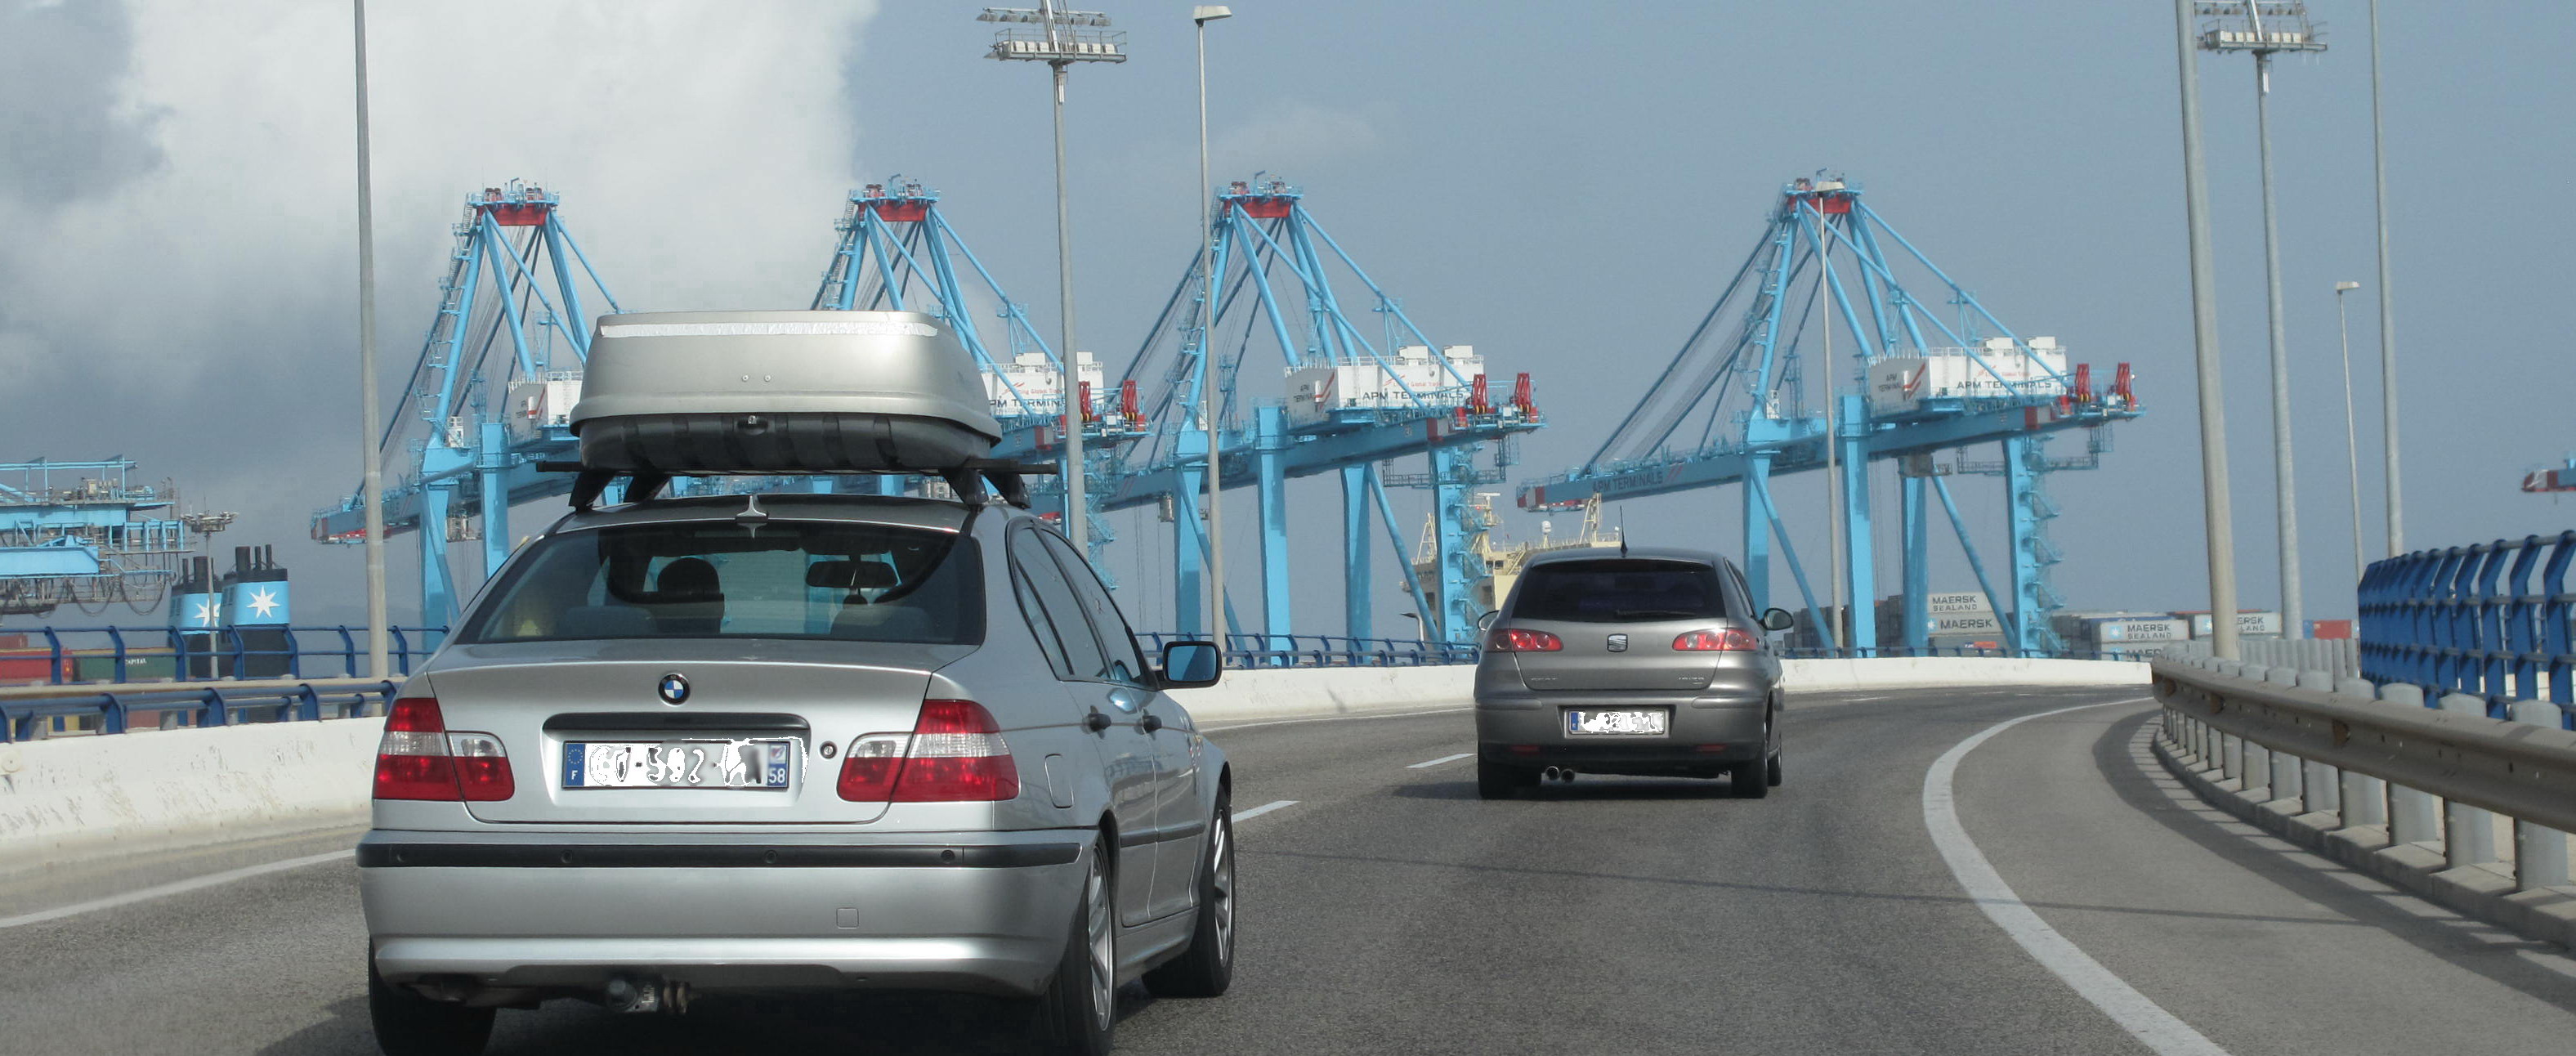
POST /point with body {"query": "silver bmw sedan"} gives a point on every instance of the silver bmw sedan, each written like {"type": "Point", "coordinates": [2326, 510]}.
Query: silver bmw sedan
{"type": "Point", "coordinates": [794, 744]}
{"type": "Point", "coordinates": [1648, 663]}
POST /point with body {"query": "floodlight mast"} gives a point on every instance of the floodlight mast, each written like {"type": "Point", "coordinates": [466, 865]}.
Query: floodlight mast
{"type": "Point", "coordinates": [1054, 40]}
{"type": "Point", "coordinates": [1200, 16]}
{"type": "Point", "coordinates": [2264, 27]}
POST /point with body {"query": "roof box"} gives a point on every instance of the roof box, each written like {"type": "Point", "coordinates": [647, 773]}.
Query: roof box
{"type": "Point", "coordinates": [708, 393]}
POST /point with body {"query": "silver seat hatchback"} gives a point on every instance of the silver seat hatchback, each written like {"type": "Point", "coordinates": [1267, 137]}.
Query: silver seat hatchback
{"type": "Point", "coordinates": [1648, 663]}
{"type": "Point", "coordinates": [794, 744]}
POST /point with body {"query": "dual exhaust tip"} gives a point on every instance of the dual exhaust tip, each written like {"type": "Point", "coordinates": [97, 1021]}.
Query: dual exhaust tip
{"type": "Point", "coordinates": [1556, 773]}
{"type": "Point", "coordinates": [633, 994]}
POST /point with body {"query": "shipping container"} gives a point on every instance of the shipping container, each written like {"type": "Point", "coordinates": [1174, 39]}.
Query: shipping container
{"type": "Point", "coordinates": [1996, 370]}
{"type": "Point", "coordinates": [2108, 632]}
{"type": "Point", "coordinates": [2249, 623]}
{"type": "Point", "coordinates": [2330, 630]}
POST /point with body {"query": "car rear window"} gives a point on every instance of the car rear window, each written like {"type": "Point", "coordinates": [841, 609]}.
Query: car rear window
{"type": "Point", "coordinates": [719, 579]}
{"type": "Point", "coordinates": [1613, 590]}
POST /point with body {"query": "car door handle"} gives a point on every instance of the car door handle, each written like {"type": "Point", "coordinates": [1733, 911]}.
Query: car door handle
{"type": "Point", "coordinates": [1095, 722]}
{"type": "Point", "coordinates": [1152, 722]}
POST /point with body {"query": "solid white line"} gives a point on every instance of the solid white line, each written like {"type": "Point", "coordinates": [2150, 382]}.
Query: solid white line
{"type": "Point", "coordinates": [2134, 1012]}
{"type": "Point", "coordinates": [166, 890]}
{"type": "Point", "coordinates": [1442, 759]}
{"type": "Point", "coordinates": [1265, 808]}
{"type": "Point", "coordinates": [1334, 718]}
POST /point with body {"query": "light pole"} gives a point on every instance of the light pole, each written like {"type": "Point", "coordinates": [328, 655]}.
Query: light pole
{"type": "Point", "coordinates": [2387, 321]}
{"type": "Point", "coordinates": [371, 417]}
{"type": "Point", "coordinates": [2264, 27]}
{"type": "Point", "coordinates": [1057, 41]}
{"type": "Point", "coordinates": [2217, 518]}
{"type": "Point", "coordinates": [2351, 445]}
{"type": "Point", "coordinates": [1201, 15]}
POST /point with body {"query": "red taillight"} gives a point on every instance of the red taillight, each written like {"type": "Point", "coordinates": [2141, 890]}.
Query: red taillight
{"type": "Point", "coordinates": [419, 759]}
{"type": "Point", "coordinates": [955, 754]}
{"type": "Point", "coordinates": [1730, 640]}
{"type": "Point", "coordinates": [1523, 640]}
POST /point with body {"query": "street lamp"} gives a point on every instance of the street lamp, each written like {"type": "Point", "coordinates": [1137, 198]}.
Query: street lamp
{"type": "Point", "coordinates": [2264, 27]}
{"type": "Point", "coordinates": [2217, 522]}
{"type": "Point", "coordinates": [2351, 445]}
{"type": "Point", "coordinates": [1055, 37]}
{"type": "Point", "coordinates": [371, 489]}
{"type": "Point", "coordinates": [2387, 321]}
{"type": "Point", "coordinates": [1201, 15]}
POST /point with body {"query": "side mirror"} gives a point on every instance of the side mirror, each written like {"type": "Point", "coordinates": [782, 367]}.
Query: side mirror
{"type": "Point", "coordinates": [1778, 620]}
{"type": "Point", "coordinates": [1486, 621]}
{"type": "Point", "coordinates": [1191, 665]}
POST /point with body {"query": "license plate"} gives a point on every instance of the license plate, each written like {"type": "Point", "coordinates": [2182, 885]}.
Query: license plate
{"type": "Point", "coordinates": [1649, 723]}
{"type": "Point", "coordinates": [678, 764]}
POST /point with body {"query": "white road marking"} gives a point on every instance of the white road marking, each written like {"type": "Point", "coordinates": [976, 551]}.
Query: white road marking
{"type": "Point", "coordinates": [166, 890]}
{"type": "Point", "coordinates": [1442, 759]}
{"type": "Point", "coordinates": [1333, 718]}
{"type": "Point", "coordinates": [1265, 808]}
{"type": "Point", "coordinates": [2134, 1012]}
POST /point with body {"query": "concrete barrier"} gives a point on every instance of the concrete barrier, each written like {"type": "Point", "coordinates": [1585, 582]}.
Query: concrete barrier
{"type": "Point", "coordinates": [69, 798]}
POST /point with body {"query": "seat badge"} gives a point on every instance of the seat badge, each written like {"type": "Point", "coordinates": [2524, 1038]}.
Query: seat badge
{"type": "Point", "coordinates": [673, 689]}
{"type": "Point", "coordinates": [1618, 643]}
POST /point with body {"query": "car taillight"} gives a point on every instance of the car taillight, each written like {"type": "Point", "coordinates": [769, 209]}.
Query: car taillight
{"type": "Point", "coordinates": [1521, 640]}
{"type": "Point", "coordinates": [955, 753]}
{"type": "Point", "coordinates": [419, 759]}
{"type": "Point", "coordinates": [1730, 640]}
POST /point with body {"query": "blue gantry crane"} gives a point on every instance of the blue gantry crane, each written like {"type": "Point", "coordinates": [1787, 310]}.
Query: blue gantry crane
{"type": "Point", "coordinates": [1891, 379]}
{"type": "Point", "coordinates": [491, 393]}
{"type": "Point", "coordinates": [897, 252]}
{"type": "Point", "coordinates": [1349, 398]}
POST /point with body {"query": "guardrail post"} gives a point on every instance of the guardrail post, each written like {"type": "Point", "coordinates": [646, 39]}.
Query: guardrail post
{"type": "Point", "coordinates": [2539, 852]}
{"type": "Point", "coordinates": [2469, 838]}
{"type": "Point", "coordinates": [54, 649]}
{"type": "Point", "coordinates": [2411, 817]}
{"type": "Point", "coordinates": [117, 638]}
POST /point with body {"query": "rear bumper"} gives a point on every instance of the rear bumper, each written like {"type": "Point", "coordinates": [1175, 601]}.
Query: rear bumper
{"type": "Point", "coordinates": [983, 912]}
{"type": "Point", "coordinates": [1529, 729]}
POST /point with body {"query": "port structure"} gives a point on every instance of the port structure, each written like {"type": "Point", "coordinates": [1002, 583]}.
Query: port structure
{"type": "Point", "coordinates": [1346, 403]}
{"type": "Point", "coordinates": [87, 535]}
{"type": "Point", "coordinates": [1818, 339]}
{"type": "Point", "coordinates": [491, 393]}
{"type": "Point", "coordinates": [896, 251]}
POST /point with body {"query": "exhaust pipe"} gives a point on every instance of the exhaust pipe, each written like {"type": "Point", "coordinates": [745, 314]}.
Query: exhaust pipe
{"type": "Point", "coordinates": [1565, 773]}
{"type": "Point", "coordinates": [1548, 774]}
{"type": "Point", "coordinates": [636, 995]}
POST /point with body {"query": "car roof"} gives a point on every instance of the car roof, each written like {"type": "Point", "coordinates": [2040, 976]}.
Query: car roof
{"type": "Point", "coordinates": [1634, 553]}
{"type": "Point", "coordinates": [934, 514]}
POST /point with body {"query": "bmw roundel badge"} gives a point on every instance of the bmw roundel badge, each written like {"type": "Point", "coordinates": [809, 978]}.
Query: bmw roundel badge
{"type": "Point", "coordinates": [674, 689]}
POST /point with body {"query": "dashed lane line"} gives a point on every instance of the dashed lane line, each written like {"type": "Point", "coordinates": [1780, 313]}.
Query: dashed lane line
{"type": "Point", "coordinates": [2135, 1013]}
{"type": "Point", "coordinates": [1428, 763]}
{"type": "Point", "coordinates": [1265, 808]}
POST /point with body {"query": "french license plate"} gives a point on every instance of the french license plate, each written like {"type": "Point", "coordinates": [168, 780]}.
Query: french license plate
{"type": "Point", "coordinates": [1647, 723]}
{"type": "Point", "coordinates": [678, 764]}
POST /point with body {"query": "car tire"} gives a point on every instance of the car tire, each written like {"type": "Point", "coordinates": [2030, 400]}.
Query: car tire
{"type": "Point", "coordinates": [1772, 777]}
{"type": "Point", "coordinates": [1078, 1014]}
{"type": "Point", "coordinates": [1752, 779]}
{"type": "Point", "coordinates": [1208, 967]}
{"type": "Point", "coordinates": [1499, 780]}
{"type": "Point", "coordinates": [408, 1024]}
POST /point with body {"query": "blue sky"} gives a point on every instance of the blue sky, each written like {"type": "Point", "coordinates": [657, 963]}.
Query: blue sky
{"type": "Point", "coordinates": [1562, 186]}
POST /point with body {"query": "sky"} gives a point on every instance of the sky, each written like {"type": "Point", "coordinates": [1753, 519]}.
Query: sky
{"type": "Point", "coordinates": [1565, 187]}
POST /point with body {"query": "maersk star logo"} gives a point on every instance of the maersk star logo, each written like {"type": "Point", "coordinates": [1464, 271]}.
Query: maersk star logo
{"type": "Point", "coordinates": [263, 603]}
{"type": "Point", "coordinates": [205, 616]}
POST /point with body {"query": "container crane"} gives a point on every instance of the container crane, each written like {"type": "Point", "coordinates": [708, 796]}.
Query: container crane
{"type": "Point", "coordinates": [1738, 405]}
{"type": "Point", "coordinates": [491, 392]}
{"type": "Point", "coordinates": [1348, 402]}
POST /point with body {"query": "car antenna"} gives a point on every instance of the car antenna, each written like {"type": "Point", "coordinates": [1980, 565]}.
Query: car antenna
{"type": "Point", "coordinates": [1623, 531]}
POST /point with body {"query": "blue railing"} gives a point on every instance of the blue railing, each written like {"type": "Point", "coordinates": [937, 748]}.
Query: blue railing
{"type": "Point", "coordinates": [119, 655]}
{"type": "Point", "coordinates": [122, 710]}
{"type": "Point", "coordinates": [1326, 650]}
{"type": "Point", "coordinates": [2492, 621]}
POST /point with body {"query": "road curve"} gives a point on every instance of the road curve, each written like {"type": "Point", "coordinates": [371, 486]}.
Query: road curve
{"type": "Point", "coordinates": [1387, 909]}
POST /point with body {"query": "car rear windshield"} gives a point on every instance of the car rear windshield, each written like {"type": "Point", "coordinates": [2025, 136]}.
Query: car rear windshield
{"type": "Point", "coordinates": [709, 579]}
{"type": "Point", "coordinates": [1609, 591]}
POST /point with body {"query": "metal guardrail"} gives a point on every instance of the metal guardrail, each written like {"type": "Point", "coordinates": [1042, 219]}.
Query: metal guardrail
{"type": "Point", "coordinates": [2322, 748]}
{"type": "Point", "coordinates": [2493, 621]}
{"type": "Point", "coordinates": [1326, 650]}
{"type": "Point", "coordinates": [1899, 652]}
{"type": "Point", "coordinates": [58, 656]}
{"type": "Point", "coordinates": [37, 712]}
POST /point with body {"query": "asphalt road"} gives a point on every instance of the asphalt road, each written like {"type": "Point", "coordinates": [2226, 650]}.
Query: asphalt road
{"type": "Point", "coordinates": [1387, 909]}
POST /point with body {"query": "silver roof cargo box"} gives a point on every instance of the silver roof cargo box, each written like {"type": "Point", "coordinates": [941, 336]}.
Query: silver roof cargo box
{"type": "Point", "coordinates": [707, 393]}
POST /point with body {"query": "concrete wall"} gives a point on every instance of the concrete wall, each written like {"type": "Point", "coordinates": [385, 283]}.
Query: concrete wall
{"type": "Point", "coordinates": [68, 798]}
